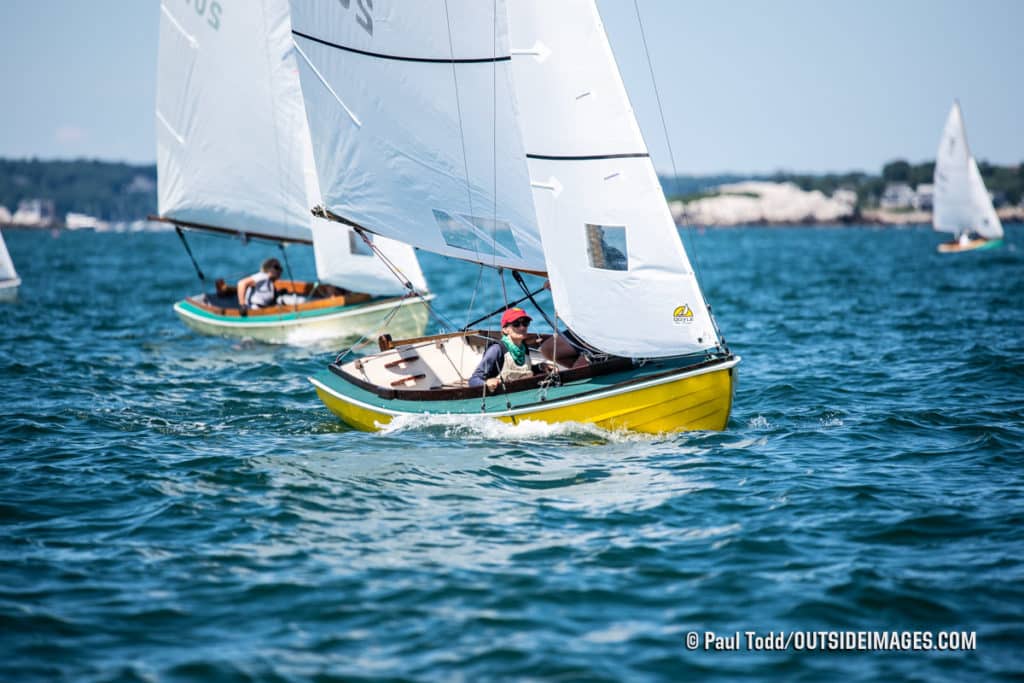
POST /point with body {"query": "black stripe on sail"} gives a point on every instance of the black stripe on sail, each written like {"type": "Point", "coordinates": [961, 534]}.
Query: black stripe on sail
{"type": "Point", "coordinates": [400, 58]}
{"type": "Point", "coordinates": [638, 155]}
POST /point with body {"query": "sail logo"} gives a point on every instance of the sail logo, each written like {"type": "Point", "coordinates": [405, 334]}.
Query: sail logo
{"type": "Point", "coordinates": [363, 17]}
{"type": "Point", "coordinates": [213, 16]}
{"type": "Point", "coordinates": [682, 315]}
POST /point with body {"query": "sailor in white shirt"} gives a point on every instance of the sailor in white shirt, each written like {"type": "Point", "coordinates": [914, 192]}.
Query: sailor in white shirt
{"type": "Point", "coordinates": [257, 290]}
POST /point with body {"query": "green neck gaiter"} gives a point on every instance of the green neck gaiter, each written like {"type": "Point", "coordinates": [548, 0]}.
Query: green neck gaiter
{"type": "Point", "coordinates": [518, 352]}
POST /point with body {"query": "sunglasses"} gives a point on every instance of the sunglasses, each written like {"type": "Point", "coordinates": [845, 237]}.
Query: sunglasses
{"type": "Point", "coordinates": [520, 323]}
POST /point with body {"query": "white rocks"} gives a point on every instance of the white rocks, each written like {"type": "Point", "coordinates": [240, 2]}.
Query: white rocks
{"type": "Point", "coordinates": [765, 202]}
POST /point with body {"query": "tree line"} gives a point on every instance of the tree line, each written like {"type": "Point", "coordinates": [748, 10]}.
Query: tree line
{"type": "Point", "coordinates": [115, 191]}
{"type": "Point", "coordinates": [111, 191]}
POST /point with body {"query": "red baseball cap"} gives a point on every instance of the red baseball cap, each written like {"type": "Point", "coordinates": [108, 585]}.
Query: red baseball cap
{"type": "Point", "coordinates": [512, 315]}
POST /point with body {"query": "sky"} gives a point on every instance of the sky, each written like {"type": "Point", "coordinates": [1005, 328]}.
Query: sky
{"type": "Point", "coordinates": [746, 86]}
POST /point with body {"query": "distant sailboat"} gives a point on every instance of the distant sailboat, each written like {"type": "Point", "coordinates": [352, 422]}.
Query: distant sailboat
{"type": "Point", "coordinates": [501, 134]}
{"type": "Point", "coordinates": [962, 205]}
{"type": "Point", "coordinates": [234, 156]}
{"type": "Point", "coordinates": [9, 280]}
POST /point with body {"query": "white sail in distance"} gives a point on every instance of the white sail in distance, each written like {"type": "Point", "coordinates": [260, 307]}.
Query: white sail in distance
{"type": "Point", "coordinates": [961, 202]}
{"type": "Point", "coordinates": [414, 124]}
{"type": "Point", "coordinates": [233, 147]}
{"type": "Point", "coordinates": [7, 271]}
{"type": "Point", "coordinates": [620, 276]}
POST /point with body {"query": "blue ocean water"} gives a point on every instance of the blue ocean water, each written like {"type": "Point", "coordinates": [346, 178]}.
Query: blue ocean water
{"type": "Point", "coordinates": [182, 508]}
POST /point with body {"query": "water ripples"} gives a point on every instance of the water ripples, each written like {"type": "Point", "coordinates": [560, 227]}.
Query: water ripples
{"type": "Point", "coordinates": [183, 508]}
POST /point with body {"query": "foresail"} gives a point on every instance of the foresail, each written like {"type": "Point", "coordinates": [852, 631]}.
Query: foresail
{"type": "Point", "coordinates": [7, 271]}
{"type": "Point", "coordinates": [230, 118]}
{"type": "Point", "coordinates": [414, 125]}
{"type": "Point", "coordinates": [620, 276]}
{"type": "Point", "coordinates": [986, 222]}
{"type": "Point", "coordinates": [344, 259]}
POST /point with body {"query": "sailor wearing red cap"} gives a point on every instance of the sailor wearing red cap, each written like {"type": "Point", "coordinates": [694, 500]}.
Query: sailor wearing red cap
{"type": "Point", "coordinates": [508, 360]}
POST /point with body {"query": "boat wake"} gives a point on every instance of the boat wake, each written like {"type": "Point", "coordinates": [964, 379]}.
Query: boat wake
{"type": "Point", "coordinates": [481, 427]}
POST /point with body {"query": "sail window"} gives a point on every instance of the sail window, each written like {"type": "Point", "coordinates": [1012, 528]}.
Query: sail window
{"type": "Point", "coordinates": [356, 245]}
{"type": "Point", "coordinates": [497, 231]}
{"type": "Point", "coordinates": [606, 247]}
{"type": "Point", "coordinates": [457, 232]}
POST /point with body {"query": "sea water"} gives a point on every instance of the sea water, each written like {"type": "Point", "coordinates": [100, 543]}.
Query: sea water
{"type": "Point", "coordinates": [182, 508]}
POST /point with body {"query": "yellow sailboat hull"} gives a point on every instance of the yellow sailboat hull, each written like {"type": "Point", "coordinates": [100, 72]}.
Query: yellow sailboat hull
{"type": "Point", "coordinates": [692, 401]}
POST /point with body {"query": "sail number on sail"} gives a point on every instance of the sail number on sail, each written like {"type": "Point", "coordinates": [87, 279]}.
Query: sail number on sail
{"type": "Point", "coordinates": [363, 16]}
{"type": "Point", "coordinates": [210, 10]}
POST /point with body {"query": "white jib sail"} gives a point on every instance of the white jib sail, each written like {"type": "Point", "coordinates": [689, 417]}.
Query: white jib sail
{"type": "Point", "coordinates": [961, 203]}
{"type": "Point", "coordinates": [620, 276]}
{"type": "Point", "coordinates": [234, 150]}
{"type": "Point", "coordinates": [414, 124]}
{"type": "Point", "coordinates": [7, 271]}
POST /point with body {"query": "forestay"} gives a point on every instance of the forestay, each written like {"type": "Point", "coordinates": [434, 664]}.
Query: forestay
{"type": "Point", "coordinates": [234, 151]}
{"type": "Point", "coordinates": [961, 202]}
{"type": "Point", "coordinates": [414, 126]}
{"type": "Point", "coordinates": [342, 258]}
{"type": "Point", "coordinates": [620, 276]}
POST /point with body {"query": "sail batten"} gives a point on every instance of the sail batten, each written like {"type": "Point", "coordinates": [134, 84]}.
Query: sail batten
{"type": "Point", "coordinates": [590, 157]}
{"type": "Point", "coordinates": [404, 58]}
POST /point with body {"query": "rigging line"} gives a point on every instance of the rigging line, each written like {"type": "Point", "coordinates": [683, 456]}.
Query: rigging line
{"type": "Point", "coordinates": [321, 212]}
{"type": "Point", "coordinates": [462, 130]}
{"type": "Point", "coordinates": [500, 310]}
{"type": "Point", "coordinates": [181, 236]}
{"type": "Point", "coordinates": [365, 339]}
{"type": "Point", "coordinates": [406, 282]}
{"type": "Point", "coordinates": [529, 295]}
{"type": "Point", "coordinates": [494, 133]}
{"type": "Point", "coordinates": [284, 255]}
{"type": "Point", "coordinates": [277, 141]}
{"type": "Point", "coordinates": [494, 153]}
{"type": "Point", "coordinates": [664, 127]}
{"type": "Point", "coordinates": [395, 270]}
{"type": "Point", "coordinates": [476, 290]}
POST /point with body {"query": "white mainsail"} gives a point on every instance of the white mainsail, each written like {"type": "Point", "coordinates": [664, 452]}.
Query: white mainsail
{"type": "Point", "coordinates": [233, 147]}
{"type": "Point", "coordinates": [414, 125]}
{"type": "Point", "coordinates": [961, 204]}
{"type": "Point", "coordinates": [7, 271]}
{"type": "Point", "coordinates": [432, 121]}
{"type": "Point", "coordinates": [620, 276]}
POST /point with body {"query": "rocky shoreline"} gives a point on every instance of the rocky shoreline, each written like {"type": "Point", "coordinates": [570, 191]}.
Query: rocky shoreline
{"type": "Point", "coordinates": [767, 203]}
